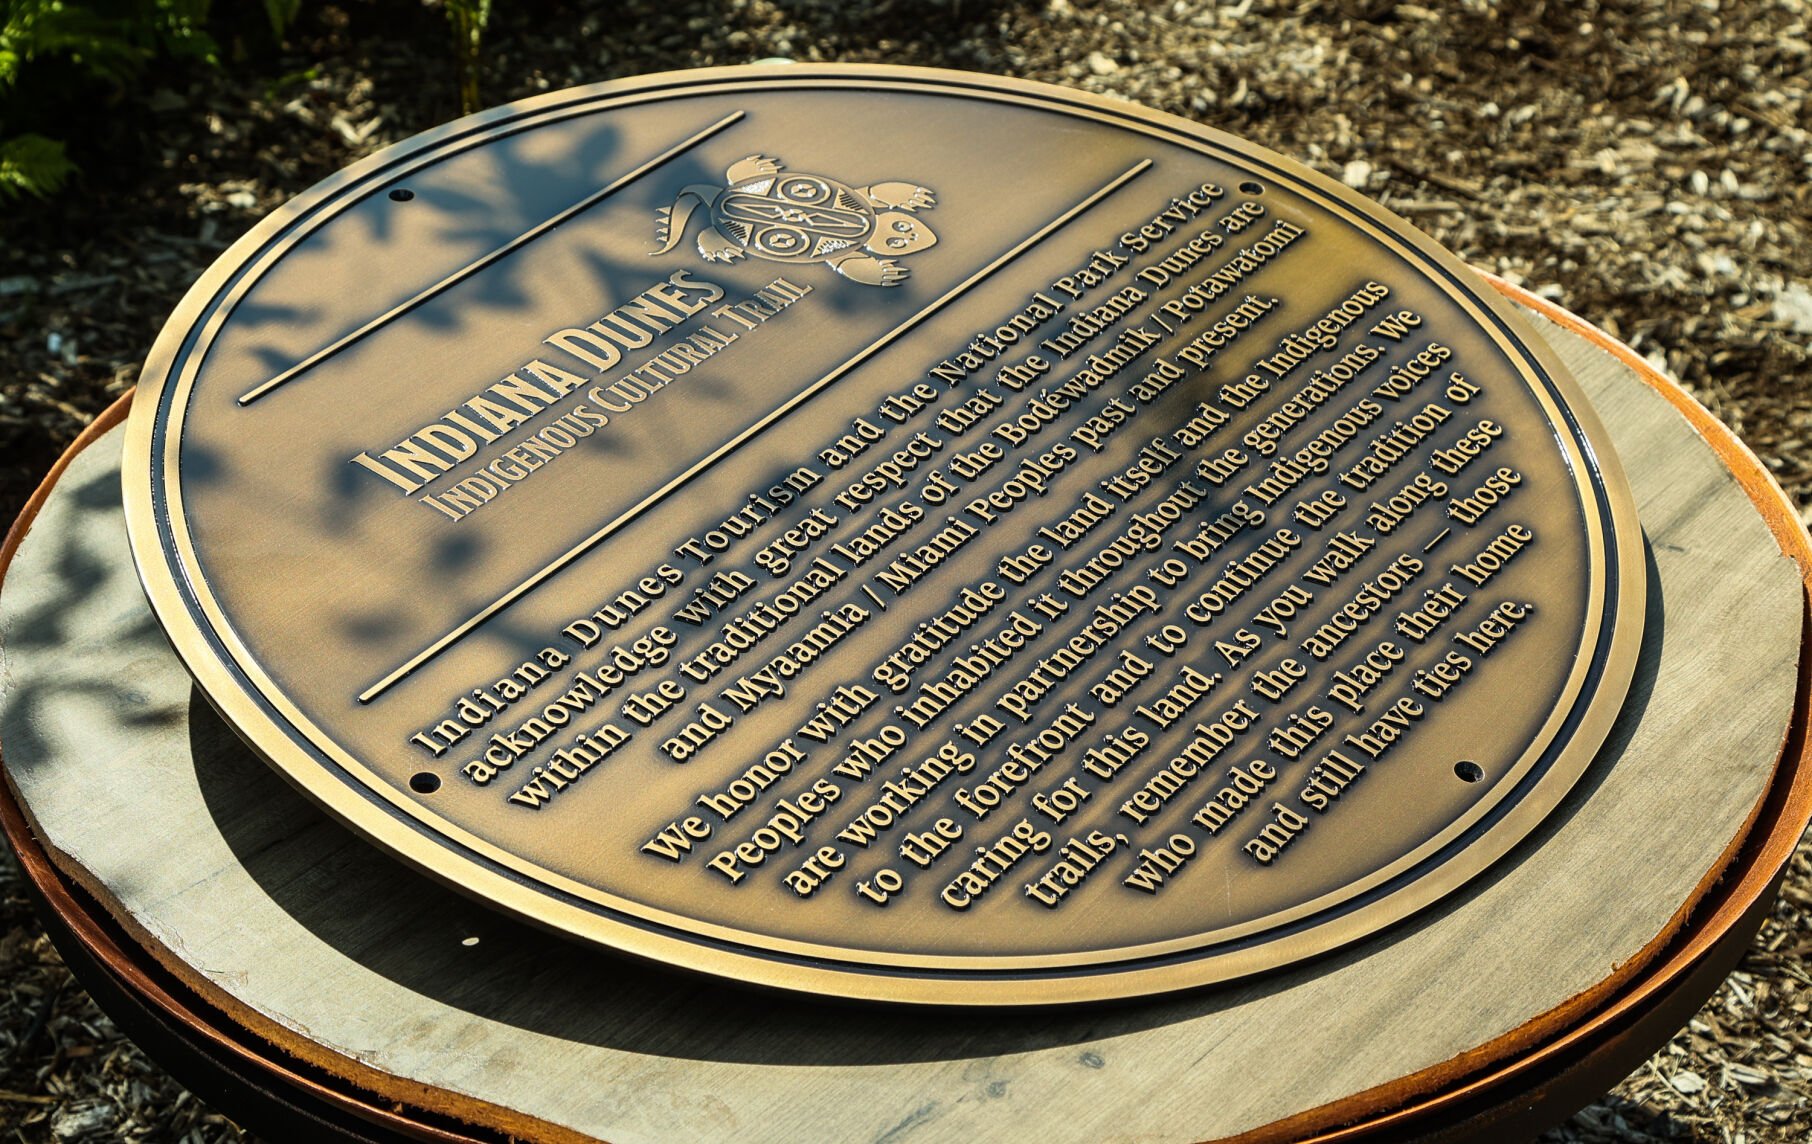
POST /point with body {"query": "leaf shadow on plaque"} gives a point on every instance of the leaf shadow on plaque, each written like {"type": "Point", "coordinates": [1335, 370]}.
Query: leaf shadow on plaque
{"type": "Point", "coordinates": [468, 221]}
{"type": "Point", "coordinates": [508, 292]}
{"type": "Point", "coordinates": [703, 413]}
{"type": "Point", "coordinates": [432, 941]}
{"type": "Point", "coordinates": [252, 312]}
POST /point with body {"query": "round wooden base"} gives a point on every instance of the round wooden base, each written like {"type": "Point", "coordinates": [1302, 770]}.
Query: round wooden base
{"type": "Point", "coordinates": [310, 986]}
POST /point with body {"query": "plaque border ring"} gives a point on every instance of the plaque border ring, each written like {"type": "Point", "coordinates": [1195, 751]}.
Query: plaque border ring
{"type": "Point", "coordinates": [204, 636]}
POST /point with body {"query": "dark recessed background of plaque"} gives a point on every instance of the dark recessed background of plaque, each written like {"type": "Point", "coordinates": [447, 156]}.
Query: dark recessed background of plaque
{"type": "Point", "coordinates": [411, 618]}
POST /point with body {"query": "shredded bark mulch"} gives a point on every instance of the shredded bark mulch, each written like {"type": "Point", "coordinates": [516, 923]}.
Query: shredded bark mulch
{"type": "Point", "coordinates": [1648, 165]}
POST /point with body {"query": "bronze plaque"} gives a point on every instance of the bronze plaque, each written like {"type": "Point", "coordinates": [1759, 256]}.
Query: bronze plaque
{"type": "Point", "coordinates": [888, 533]}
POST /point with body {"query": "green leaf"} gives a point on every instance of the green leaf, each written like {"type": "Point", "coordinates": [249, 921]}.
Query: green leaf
{"type": "Point", "coordinates": [32, 165]}
{"type": "Point", "coordinates": [282, 13]}
{"type": "Point", "coordinates": [103, 46]}
{"type": "Point", "coordinates": [110, 39]}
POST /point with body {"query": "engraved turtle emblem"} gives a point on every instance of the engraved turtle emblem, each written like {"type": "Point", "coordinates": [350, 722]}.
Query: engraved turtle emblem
{"type": "Point", "coordinates": [781, 216]}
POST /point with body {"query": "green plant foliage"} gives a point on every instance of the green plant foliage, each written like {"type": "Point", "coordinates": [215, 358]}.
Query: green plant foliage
{"type": "Point", "coordinates": [106, 42]}
{"type": "Point", "coordinates": [281, 13]}
{"type": "Point", "coordinates": [108, 39]}
{"type": "Point", "coordinates": [55, 54]}
{"type": "Point", "coordinates": [32, 165]}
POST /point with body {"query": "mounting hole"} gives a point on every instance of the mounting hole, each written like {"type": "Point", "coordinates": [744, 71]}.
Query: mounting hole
{"type": "Point", "coordinates": [1468, 770]}
{"type": "Point", "coordinates": [401, 195]}
{"type": "Point", "coordinates": [424, 782]}
{"type": "Point", "coordinates": [1251, 188]}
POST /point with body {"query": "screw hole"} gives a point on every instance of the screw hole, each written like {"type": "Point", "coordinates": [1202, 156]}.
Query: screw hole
{"type": "Point", "coordinates": [1468, 770]}
{"type": "Point", "coordinates": [401, 195]}
{"type": "Point", "coordinates": [1249, 188]}
{"type": "Point", "coordinates": [424, 782]}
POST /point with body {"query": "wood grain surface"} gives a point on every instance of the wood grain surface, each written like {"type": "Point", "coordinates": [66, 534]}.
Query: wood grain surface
{"type": "Point", "coordinates": [341, 956]}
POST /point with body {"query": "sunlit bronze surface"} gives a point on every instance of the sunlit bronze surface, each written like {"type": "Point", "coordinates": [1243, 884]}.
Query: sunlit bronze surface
{"type": "Point", "coordinates": [888, 533]}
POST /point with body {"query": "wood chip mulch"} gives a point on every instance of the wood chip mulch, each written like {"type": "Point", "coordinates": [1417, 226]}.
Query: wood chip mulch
{"type": "Point", "coordinates": [1646, 164]}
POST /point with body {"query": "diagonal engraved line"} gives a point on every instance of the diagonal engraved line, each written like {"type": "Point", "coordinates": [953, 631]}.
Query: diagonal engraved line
{"type": "Point", "coordinates": [576, 551]}
{"type": "Point", "coordinates": [488, 260]}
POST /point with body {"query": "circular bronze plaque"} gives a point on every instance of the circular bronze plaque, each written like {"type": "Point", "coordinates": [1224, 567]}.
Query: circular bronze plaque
{"type": "Point", "coordinates": [888, 533]}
